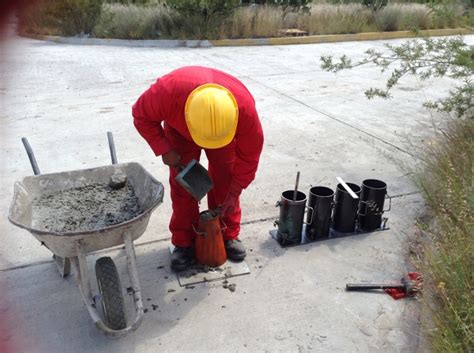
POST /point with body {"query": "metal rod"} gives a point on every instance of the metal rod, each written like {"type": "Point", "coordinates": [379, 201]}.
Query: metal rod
{"type": "Point", "coordinates": [368, 286]}
{"type": "Point", "coordinates": [83, 274]}
{"type": "Point", "coordinates": [31, 156]}
{"type": "Point", "coordinates": [132, 273]}
{"type": "Point", "coordinates": [113, 154]}
{"type": "Point", "coordinates": [348, 189]}
{"type": "Point", "coordinates": [295, 194]}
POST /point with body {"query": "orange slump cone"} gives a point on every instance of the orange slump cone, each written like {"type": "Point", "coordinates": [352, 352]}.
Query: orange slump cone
{"type": "Point", "coordinates": [209, 242]}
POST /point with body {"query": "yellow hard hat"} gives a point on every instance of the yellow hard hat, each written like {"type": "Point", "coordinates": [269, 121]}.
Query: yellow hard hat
{"type": "Point", "coordinates": [211, 114]}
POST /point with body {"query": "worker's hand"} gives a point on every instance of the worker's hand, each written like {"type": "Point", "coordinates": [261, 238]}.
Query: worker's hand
{"type": "Point", "coordinates": [231, 201]}
{"type": "Point", "coordinates": [172, 159]}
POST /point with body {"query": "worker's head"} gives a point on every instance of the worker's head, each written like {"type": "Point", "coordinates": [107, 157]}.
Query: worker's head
{"type": "Point", "coordinates": [212, 114]}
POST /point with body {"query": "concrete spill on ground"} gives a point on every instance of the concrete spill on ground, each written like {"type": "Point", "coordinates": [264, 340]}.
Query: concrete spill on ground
{"type": "Point", "coordinates": [85, 208]}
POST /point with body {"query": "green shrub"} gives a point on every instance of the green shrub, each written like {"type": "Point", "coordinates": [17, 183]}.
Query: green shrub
{"type": "Point", "coordinates": [397, 17]}
{"type": "Point", "coordinates": [447, 242]}
{"type": "Point", "coordinates": [295, 4]}
{"type": "Point", "coordinates": [201, 19]}
{"type": "Point", "coordinates": [446, 13]}
{"type": "Point", "coordinates": [206, 8]}
{"type": "Point", "coordinates": [63, 17]}
{"type": "Point", "coordinates": [255, 21]}
{"type": "Point", "coordinates": [336, 19]}
{"type": "Point", "coordinates": [135, 22]}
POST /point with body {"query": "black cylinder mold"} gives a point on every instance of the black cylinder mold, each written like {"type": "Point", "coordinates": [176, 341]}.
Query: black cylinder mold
{"type": "Point", "coordinates": [321, 201]}
{"type": "Point", "coordinates": [290, 222]}
{"type": "Point", "coordinates": [371, 204]}
{"type": "Point", "coordinates": [345, 212]}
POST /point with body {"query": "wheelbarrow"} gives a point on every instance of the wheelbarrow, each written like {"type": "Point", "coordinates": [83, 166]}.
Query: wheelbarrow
{"type": "Point", "coordinates": [71, 247]}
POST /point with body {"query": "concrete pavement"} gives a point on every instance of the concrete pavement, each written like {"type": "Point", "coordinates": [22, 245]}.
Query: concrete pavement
{"type": "Point", "coordinates": [65, 97]}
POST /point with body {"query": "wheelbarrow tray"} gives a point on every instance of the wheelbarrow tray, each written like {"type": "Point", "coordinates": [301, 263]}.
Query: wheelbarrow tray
{"type": "Point", "coordinates": [148, 191]}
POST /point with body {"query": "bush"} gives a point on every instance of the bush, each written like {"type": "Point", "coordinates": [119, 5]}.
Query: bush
{"type": "Point", "coordinates": [336, 19]}
{"type": "Point", "coordinates": [135, 22]}
{"type": "Point", "coordinates": [202, 19]}
{"type": "Point", "coordinates": [396, 17]}
{"type": "Point", "coordinates": [254, 21]}
{"type": "Point", "coordinates": [206, 8]}
{"type": "Point", "coordinates": [63, 17]}
{"type": "Point", "coordinates": [447, 241]}
{"type": "Point", "coordinates": [446, 13]}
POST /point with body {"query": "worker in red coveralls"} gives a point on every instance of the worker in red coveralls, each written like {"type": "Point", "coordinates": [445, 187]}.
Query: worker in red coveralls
{"type": "Point", "coordinates": [197, 108]}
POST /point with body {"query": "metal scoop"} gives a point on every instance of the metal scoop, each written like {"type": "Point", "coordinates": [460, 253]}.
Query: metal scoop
{"type": "Point", "coordinates": [195, 179]}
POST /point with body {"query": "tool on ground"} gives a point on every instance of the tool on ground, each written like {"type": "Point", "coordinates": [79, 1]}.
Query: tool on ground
{"type": "Point", "coordinates": [408, 286]}
{"type": "Point", "coordinates": [209, 243]}
{"type": "Point", "coordinates": [195, 179]}
{"type": "Point", "coordinates": [296, 186]}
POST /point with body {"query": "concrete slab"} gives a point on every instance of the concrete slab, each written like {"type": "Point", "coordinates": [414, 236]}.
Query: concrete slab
{"type": "Point", "coordinates": [65, 97]}
{"type": "Point", "coordinates": [199, 274]}
{"type": "Point", "coordinates": [293, 300]}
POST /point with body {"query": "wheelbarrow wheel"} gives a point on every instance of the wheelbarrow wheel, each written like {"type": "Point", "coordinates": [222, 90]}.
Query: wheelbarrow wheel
{"type": "Point", "coordinates": [110, 289]}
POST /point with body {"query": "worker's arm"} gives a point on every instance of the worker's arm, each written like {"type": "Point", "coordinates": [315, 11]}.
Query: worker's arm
{"type": "Point", "coordinates": [148, 114]}
{"type": "Point", "coordinates": [249, 143]}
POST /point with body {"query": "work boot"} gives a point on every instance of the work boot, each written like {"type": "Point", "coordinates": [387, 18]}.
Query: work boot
{"type": "Point", "coordinates": [235, 250]}
{"type": "Point", "coordinates": [182, 258]}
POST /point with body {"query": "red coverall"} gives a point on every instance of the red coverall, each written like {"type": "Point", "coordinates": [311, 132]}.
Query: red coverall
{"type": "Point", "coordinates": [231, 167]}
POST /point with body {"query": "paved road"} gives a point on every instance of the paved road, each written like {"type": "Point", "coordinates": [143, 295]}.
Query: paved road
{"type": "Point", "coordinates": [65, 97]}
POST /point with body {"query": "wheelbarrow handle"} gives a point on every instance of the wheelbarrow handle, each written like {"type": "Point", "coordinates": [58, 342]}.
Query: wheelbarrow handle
{"type": "Point", "coordinates": [31, 156]}
{"type": "Point", "coordinates": [113, 153]}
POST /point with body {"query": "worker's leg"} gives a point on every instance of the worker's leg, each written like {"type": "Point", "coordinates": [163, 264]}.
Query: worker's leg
{"type": "Point", "coordinates": [221, 166]}
{"type": "Point", "coordinates": [185, 207]}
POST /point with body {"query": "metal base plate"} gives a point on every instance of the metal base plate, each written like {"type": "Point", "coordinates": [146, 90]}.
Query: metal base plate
{"type": "Point", "coordinates": [200, 274]}
{"type": "Point", "coordinates": [332, 235]}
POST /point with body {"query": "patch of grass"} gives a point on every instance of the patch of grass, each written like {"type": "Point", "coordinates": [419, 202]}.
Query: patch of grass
{"type": "Point", "coordinates": [254, 21]}
{"type": "Point", "coordinates": [399, 17]}
{"type": "Point", "coordinates": [448, 240]}
{"type": "Point", "coordinates": [448, 14]}
{"type": "Point", "coordinates": [135, 22]}
{"type": "Point", "coordinates": [337, 19]}
{"type": "Point", "coordinates": [61, 17]}
{"type": "Point", "coordinates": [152, 19]}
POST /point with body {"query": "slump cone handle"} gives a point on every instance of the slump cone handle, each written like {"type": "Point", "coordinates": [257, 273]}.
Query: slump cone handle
{"type": "Point", "coordinates": [295, 194]}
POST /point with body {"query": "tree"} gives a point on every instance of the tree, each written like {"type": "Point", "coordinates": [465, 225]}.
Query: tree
{"type": "Point", "coordinates": [424, 58]}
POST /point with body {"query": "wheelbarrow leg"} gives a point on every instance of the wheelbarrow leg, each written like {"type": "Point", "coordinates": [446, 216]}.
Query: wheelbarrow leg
{"type": "Point", "coordinates": [132, 272]}
{"type": "Point", "coordinates": [82, 275]}
{"type": "Point", "coordinates": [63, 264]}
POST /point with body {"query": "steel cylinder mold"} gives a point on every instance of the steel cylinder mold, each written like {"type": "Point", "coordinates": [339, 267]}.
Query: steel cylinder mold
{"type": "Point", "coordinates": [345, 212]}
{"type": "Point", "coordinates": [371, 205]}
{"type": "Point", "coordinates": [290, 222]}
{"type": "Point", "coordinates": [321, 202]}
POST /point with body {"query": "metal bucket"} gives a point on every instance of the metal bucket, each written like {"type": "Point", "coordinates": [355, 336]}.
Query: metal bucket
{"type": "Point", "coordinates": [371, 204]}
{"type": "Point", "coordinates": [345, 213]}
{"type": "Point", "coordinates": [290, 223]}
{"type": "Point", "coordinates": [321, 200]}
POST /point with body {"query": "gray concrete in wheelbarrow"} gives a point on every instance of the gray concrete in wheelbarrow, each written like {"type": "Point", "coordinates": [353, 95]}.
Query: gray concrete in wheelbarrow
{"type": "Point", "coordinates": [65, 97]}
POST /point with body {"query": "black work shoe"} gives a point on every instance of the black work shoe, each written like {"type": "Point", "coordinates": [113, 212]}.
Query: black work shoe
{"type": "Point", "coordinates": [235, 250]}
{"type": "Point", "coordinates": [182, 258]}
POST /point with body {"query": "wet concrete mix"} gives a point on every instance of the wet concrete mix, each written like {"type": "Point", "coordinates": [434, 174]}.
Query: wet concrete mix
{"type": "Point", "coordinates": [85, 208]}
